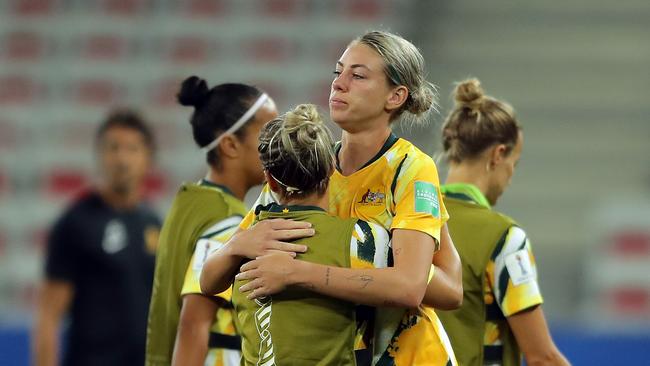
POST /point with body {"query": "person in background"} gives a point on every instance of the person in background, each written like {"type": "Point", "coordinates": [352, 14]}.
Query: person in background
{"type": "Point", "coordinates": [185, 327]}
{"type": "Point", "coordinates": [100, 258]}
{"type": "Point", "coordinates": [501, 315]}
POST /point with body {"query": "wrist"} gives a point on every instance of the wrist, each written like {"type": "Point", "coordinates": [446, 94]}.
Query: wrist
{"type": "Point", "coordinates": [296, 276]}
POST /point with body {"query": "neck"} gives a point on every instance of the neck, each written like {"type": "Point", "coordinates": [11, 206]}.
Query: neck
{"type": "Point", "coordinates": [120, 200]}
{"type": "Point", "coordinates": [359, 147]}
{"type": "Point", "coordinates": [314, 199]}
{"type": "Point", "coordinates": [233, 181]}
{"type": "Point", "coordinates": [469, 172]}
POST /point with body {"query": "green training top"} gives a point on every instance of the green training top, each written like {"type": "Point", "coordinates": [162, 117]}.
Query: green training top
{"type": "Point", "coordinates": [196, 208]}
{"type": "Point", "coordinates": [300, 327]}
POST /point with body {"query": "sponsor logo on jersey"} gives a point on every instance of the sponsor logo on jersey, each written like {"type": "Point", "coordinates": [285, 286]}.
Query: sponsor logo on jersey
{"type": "Point", "coordinates": [115, 237]}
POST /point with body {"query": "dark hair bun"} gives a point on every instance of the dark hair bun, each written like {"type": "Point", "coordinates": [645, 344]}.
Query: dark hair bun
{"type": "Point", "coordinates": [194, 92]}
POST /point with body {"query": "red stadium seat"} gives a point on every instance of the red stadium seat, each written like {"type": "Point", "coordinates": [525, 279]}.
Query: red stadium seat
{"type": "Point", "coordinates": [189, 50]}
{"type": "Point", "coordinates": [98, 92]}
{"type": "Point", "coordinates": [204, 8]}
{"type": "Point", "coordinates": [19, 89]}
{"type": "Point", "coordinates": [155, 185]}
{"type": "Point", "coordinates": [281, 8]}
{"type": "Point", "coordinates": [273, 89]}
{"type": "Point", "coordinates": [33, 7]}
{"type": "Point", "coordinates": [631, 243]}
{"type": "Point", "coordinates": [123, 7]}
{"type": "Point", "coordinates": [629, 301]}
{"type": "Point", "coordinates": [163, 92]}
{"type": "Point", "coordinates": [65, 182]}
{"type": "Point", "coordinates": [363, 9]}
{"type": "Point", "coordinates": [105, 47]}
{"type": "Point", "coordinates": [273, 50]}
{"type": "Point", "coordinates": [24, 46]}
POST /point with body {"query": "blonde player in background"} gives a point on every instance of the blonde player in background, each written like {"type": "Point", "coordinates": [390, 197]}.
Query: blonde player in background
{"type": "Point", "coordinates": [501, 315]}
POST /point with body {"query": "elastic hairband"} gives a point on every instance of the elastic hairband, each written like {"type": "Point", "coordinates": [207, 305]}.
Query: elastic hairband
{"type": "Point", "coordinates": [288, 188]}
{"type": "Point", "coordinates": [240, 122]}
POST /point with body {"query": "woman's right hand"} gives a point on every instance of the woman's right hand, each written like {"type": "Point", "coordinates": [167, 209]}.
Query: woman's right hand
{"type": "Point", "coordinates": [269, 236]}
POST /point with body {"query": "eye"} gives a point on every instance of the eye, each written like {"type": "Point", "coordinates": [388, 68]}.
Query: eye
{"type": "Point", "coordinates": [358, 76]}
{"type": "Point", "coordinates": [336, 72]}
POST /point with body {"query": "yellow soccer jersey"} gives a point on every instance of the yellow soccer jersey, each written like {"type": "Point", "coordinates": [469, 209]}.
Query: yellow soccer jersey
{"type": "Point", "coordinates": [512, 281]}
{"type": "Point", "coordinates": [398, 189]}
{"type": "Point", "coordinates": [211, 240]}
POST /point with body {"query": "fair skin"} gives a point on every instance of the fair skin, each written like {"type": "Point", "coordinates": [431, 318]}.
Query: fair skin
{"type": "Point", "coordinates": [362, 102]}
{"type": "Point", "coordinates": [491, 172]}
{"type": "Point", "coordinates": [239, 170]}
{"type": "Point", "coordinates": [124, 160]}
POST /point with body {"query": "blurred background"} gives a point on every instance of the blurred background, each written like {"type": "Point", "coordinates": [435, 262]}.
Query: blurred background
{"type": "Point", "coordinates": [576, 72]}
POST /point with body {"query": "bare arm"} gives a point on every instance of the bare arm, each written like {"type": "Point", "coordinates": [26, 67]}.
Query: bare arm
{"type": "Point", "coordinates": [53, 302]}
{"type": "Point", "coordinates": [263, 238]}
{"type": "Point", "coordinates": [197, 316]}
{"type": "Point", "coordinates": [445, 290]}
{"type": "Point", "coordinates": [402, 285]}
{"type": "Point", "coordinates": [534, 338]}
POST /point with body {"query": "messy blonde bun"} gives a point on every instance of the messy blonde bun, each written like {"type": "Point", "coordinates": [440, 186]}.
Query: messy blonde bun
{"type": "Point", "coordinates": [476, 123]}
{"type": "Point", "coordinates": [297, 149]}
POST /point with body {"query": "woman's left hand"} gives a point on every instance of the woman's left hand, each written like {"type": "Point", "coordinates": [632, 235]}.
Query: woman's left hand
{"type": "Point", "coordinates": [268, 274]}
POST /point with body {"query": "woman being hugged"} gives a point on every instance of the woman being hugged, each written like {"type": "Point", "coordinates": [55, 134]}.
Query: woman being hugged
{"type": "Point", "coordinates": [501, 315]}
{"type": "Point", "coordinates": [186, 327]}
{"type": "Point", "coordinates": [382, 179]}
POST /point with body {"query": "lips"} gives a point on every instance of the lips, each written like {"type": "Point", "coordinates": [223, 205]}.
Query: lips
{"type": "Point", "coordinates": [337, 102]}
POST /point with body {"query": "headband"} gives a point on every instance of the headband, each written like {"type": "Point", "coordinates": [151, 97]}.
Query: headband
{"type": "Point", "coordinates": [240, 122]}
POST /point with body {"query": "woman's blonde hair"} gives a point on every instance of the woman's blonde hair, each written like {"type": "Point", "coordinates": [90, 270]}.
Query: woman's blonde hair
{"type": "Point", "coordinates": [297, 149]}
{"type": "Point", "coordinates": [404, 65]}
{"type": "Point", "coordinates": [476, 123]}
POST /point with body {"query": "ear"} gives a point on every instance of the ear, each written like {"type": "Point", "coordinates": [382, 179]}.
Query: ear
{"type": "Point", "coordinates": [230, 147]}
{"type": "Point", "coordinates": [396, 98]}
{"type": "Point", "coordinates": [497, 154]}
{"type": "Point", "coordinates": [273, 184]}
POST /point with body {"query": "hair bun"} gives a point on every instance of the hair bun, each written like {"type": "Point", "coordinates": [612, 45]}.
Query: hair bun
{"type": "Point", "coordinates": [469, 93]}
{"type": "Point", "coordinates": [194, 92]}
{"type": "Point", "coordinates": [301, 114]}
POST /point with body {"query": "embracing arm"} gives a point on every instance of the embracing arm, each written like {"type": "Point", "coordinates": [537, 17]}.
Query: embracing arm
{"type": "Point", "coordinates": [445, 290]}
{"type": "Point", "coordinates": [265, 237]}
{"type": "Point", "coordinates": [400, 286]}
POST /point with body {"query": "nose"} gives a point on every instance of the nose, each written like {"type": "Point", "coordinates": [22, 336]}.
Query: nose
{"type": "Point", "coordinates": [339, 84]}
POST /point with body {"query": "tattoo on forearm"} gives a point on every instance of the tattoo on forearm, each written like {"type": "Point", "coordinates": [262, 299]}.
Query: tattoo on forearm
{"type": "Point", "coordinates": [364, 280]}
{"type": "Point", "coordinates": [327, 277]}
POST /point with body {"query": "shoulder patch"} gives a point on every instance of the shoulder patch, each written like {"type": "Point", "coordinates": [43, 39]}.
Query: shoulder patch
{"type": "Point", "coordinates": [426, 198]}
{"type": "Point", "coordinates": [519, 267]}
